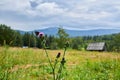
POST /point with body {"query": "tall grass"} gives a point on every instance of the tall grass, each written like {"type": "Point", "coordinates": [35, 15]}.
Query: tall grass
{"type": "Point", "coordinates": [103, 70]}
{"type": "Point", "coordinates": [32, 64]}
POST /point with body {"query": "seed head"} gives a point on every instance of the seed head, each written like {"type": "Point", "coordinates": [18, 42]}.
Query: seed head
{"type": "Point", "coordinates": [67, 44]}
{"type": "Point", "coordinates": [58, 55]}
{"type": "Point", "coordinates": [63, 61]}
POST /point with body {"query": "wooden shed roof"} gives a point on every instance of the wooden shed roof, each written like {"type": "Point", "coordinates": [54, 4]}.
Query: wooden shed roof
{"type": "Point", "coordinates": [96, 46]}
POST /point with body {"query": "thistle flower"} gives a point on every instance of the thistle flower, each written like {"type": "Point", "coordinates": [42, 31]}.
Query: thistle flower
{"type": "Point", "coordinates": [39, 34]}
{"type": "Point", "coordinates": [63, 61]}
{"type": "Point", "coordinates": [58, 55]}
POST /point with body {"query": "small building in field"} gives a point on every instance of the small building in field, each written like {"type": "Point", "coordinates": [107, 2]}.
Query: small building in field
{"type": "Point", "coordinates": [97, 46]}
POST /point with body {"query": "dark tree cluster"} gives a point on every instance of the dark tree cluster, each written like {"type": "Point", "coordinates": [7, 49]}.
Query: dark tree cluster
{"type": "Point", "coordinates": [11, 37]}
{"type": "Point", "coordinates": [112, 42]}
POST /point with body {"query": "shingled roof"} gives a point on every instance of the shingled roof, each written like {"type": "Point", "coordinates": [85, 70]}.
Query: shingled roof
{"type": "Point", "coordinates": [96, 46]}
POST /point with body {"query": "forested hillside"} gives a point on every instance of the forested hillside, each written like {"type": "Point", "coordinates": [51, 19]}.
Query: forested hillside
{"type": "Point", "coordinates": [13, 38]}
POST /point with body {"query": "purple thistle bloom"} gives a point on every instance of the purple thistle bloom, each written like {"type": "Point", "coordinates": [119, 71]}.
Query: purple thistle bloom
{"type": "Point", "coordinates": [39, 34]}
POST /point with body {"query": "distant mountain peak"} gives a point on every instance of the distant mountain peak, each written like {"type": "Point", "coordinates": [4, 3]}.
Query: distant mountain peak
{"type": "Point", "coordinates": [74, 33]}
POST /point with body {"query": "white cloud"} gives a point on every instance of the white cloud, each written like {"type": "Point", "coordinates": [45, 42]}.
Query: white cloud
{"type": "Point", "coordinates": [24, 7]}
{"type": "Point", "coordinates": [49, 9]}
{"type": "Point", "coordinates": [71, 13]}
{"type": "Point", "coordinates": [17, 5]}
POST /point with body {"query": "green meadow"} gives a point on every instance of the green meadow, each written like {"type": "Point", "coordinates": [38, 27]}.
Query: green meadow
{"type": "Point", "coordinates": [32, 64]}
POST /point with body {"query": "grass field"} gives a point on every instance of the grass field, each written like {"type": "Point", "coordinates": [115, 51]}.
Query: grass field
{"type": "Point", "coordinates": [32, 64]}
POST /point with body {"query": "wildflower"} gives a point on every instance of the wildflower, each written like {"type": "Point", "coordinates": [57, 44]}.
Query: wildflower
{"type": "Point", "coordinates": [58, 55]}
{"type": "Point", "coordinates": [39, 34]}
{"type": "Point", "coordinates": [63, 61]}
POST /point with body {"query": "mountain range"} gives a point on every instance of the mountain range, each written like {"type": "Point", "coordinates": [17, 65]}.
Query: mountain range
{"type": "Point", "coordinates": [75, 33]}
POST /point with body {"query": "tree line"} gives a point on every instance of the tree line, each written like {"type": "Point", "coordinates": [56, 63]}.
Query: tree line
{"type": "Point", "coordinates": [14, 38]}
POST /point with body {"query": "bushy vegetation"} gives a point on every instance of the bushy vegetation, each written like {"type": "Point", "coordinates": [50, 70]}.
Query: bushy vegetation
{"type": "Point", "coordinates": [32, 64]}
{"type": "Point", "coordinates": [14, 38]}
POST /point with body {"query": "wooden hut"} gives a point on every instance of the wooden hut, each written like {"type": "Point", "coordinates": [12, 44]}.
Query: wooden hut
{"type": "Point", "coordinates": [97, 46]}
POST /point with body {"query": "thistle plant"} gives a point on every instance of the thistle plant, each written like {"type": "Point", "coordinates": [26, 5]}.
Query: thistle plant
{"type": "Point", "coordinates": [56, 74]}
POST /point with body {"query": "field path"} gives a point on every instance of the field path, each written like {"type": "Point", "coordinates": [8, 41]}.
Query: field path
{"type": "Point", "coordinates": [17, 67]}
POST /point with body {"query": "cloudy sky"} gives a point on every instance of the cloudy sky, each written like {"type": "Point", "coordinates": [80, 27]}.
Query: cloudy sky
{"type": "Point", "coordinates": [71, 14]}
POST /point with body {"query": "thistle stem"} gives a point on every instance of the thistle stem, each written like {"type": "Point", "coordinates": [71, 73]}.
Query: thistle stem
{"type": "Point", "coordinates": [53, 69]}
{"type": "Point", "coordinates": [48, 58]}
{"type": "Point", "coordinates": [61, 66]}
